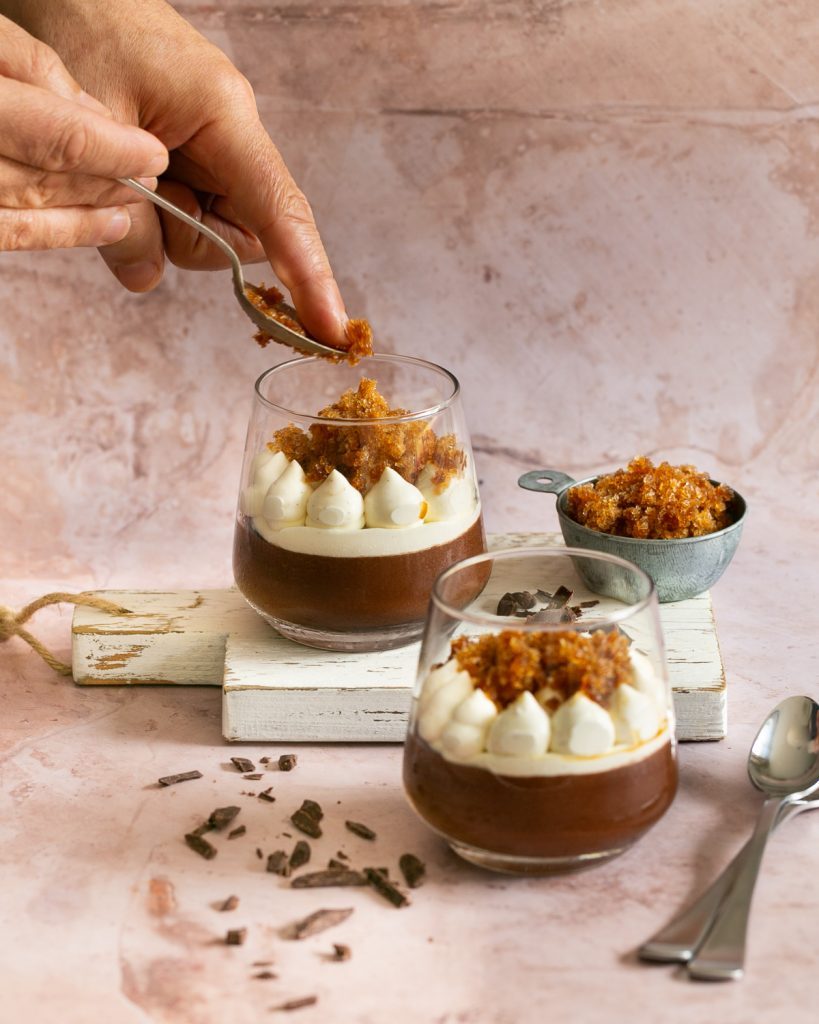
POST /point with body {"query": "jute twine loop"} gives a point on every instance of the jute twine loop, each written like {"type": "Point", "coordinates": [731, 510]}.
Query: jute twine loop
{"type": "Point", "coordinates": [11, 622]}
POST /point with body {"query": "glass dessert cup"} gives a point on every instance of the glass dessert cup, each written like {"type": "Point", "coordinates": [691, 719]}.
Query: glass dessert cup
{"type": "Point", "coordinates": [535, 745]}
{"type": "Point", "coordinates": [345, 519]}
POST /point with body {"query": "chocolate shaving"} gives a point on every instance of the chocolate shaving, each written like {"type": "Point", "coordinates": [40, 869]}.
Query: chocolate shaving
{"type": "Point", "coordinates": [340, 952]}
{"type": "Point", "coordinates": [266, 795]}
{"type": "Point", "coordinates": [589, 604]}
{"type": "Point", "coordinates": [254, 776]}
{"type": "Point", "coordinates": [278, 864]}
{"type": "Point", "coordinates": [293, 1004]}
{"type": "Point", "coordinates": [243, 765]}
{"type": "Point", "coordinates": [553, 615]}
{"type": "Point", "coordinates": [360, 830]}
{"type": "Point", "coordinates": [171, 780]}
{"type": "Point", "coordinates": [222, 817]}
{"type": "Point", "coordinates": [560, 598]}
{"type": "Point", "coordinates": [336, 865]}
{"type": "Point", "coordinates": [507, 605]}
{"type": "Point", "coordinates": [413, 869]}
{"type": "Point", "coordinates": [543, 596]}
{"type": "Point", "coordinates": [236, 832]}
{"type": "Point", "coordinates": [231, 903]}
{"type": "Point", "coordinates": [265, 975]}
{"type": "Point", "coordinates": [384, 887]}
{"type": "Point", "coordinates": [200, 846]}
{"type": "Point", "coordinates": [300, 855]}
{"type": "Point", "coordinates": [202, 829]}
{"type": "Point", "coordinates": [318, 921]}
{"type": "Point", "coordinates": [342, 855]}
{"type": "Point", "coordinates": [307, 818]}
{"type": "Point", "coordinates": [235, 936]}
{"type": "Point", "coordinates": [264, 760]}
{"type": "Point", "coordinates": [328, 879]}
{"type": "Point", "coordinates": [259, 853]}
{"type": "Point", "coordinates": [287, 762]}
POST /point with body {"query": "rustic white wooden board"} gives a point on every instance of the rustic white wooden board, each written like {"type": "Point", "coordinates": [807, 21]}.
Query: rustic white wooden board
{"type": "Point", "coordinates": [276, 690]}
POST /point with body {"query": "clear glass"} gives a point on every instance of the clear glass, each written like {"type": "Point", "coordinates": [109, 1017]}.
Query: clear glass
{"type": "Point", "coordinates": [353, 570]}
{"type": "Point", "coordinates": [554, 779]}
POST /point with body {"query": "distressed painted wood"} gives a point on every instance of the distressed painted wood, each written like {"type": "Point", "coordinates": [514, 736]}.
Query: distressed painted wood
{"type": "Point", "coordinates": [275, 690]}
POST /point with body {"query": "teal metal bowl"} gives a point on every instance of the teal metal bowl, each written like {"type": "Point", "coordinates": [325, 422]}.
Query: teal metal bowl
{"type": "Point", "coordinates": [680, 568]}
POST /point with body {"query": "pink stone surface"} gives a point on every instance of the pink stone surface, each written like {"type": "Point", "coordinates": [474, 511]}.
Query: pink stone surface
{"type": "Point", "coordinates": [603, 218]}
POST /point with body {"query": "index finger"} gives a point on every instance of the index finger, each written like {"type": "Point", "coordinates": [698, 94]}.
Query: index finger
{"type": "Point", "coordinates": [41, 129]}
{"type": "Point", "coordinates": [265, 196]}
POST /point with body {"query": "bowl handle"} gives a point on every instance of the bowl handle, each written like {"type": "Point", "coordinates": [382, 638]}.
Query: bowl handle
{"type": "Point", "coordinates": [549, 480]}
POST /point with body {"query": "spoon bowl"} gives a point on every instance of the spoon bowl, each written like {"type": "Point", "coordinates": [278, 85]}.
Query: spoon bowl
{"type": "Point", "coordinates": [784, 757]}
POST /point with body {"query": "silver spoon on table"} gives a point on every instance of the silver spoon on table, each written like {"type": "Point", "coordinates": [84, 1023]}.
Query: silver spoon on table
{"type": "Point", "coordinates": [783, 762]}
{"type": "Point", "coordinates": [267, 324]}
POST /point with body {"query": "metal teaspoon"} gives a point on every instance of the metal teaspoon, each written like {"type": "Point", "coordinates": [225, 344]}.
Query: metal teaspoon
{"type": "Point", "coordinates": [784, 764]}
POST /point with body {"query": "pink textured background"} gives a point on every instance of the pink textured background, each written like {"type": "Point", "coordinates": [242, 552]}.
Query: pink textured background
{"type": "Point", "coordinates": [603, 217]}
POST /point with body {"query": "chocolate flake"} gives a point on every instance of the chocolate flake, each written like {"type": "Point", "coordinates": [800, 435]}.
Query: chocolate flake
{"type": "Point", "coordinates": [589, 604]}
{"type": "Point", "coordinates": [543, 596]}
{"type": "Point", "coordinates": [222, 817]}
{"type": "Point", "coordinates": [413, 869]}
{"type": "Point", "coordinates": [287, 762]}
{"type": "Point", "coordinates": [231, 903]}
{"type": "Point", "coordinates": [384, 887]}
{"type": "Point", "coordinates": [265, 975]}
{"type": "Point", "coordinates": [360, 830]}
{"type": "Point", "coordinates": [341, 854]}
{"type": "Point", "coordinates": [235, 936]}
{"type": "Point", "coordinates": [278, 864]}
{"type": "Point", "coordinates": [319, 921]}
{"type": "Point", "coordinates": [202, 829]}
{"type": "Point", "coordinates": [200, 846]}
{"type": "Point", "coordinates": [336, 865]}
{"type": "Point", "coordinates": [259, 853]}
{"type": "Point", "coordinates": [307, 818]}
{"type": "Point", "coordinates": [264, 760]}
{"type": "Point", "coordinates": [327, 879]}
{"type": "Point", "coordinates": [300, 855]}
{"type": "Point", "coordinates": [266, 795]}
{"type": "Point", "coordinates": [507, 605]}
{"type": "Point", "coordinates": [560, 598]}
{"type": "Point", "coordinates": [340, 952]}
{"type": "Point", "coordinates": [296, 1004]}
{"type": "Point", "coordinates": [254, 776]}
{"type": "Point", "coordinates": [243, 765]}
{"type": "Point", "coordinates": [171, 780]}
{"type": "Point", "coordinates": [236, 832]}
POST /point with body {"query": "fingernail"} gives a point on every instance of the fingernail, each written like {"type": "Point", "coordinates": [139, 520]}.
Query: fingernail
{"type": "Point", "coordinates": [156, 165]}
{"type": "Point", "coordinates": [137, 277]}
{"type": "Point", "coordinates": [117, 227]}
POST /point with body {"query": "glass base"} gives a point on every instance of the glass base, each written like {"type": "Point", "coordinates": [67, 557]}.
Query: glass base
{"type": "Point", "coordinates": [326, 640]}
{"type": "Point", "coordinates": [511, 865]}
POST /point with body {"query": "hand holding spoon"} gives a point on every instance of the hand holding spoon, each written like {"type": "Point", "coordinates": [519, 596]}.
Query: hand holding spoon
{"type": "Point", "coordinates": [268, 324]}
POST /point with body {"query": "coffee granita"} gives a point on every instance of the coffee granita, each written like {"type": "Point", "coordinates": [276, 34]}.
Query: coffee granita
{"type": "Point", "coordinates": [651, 502]}
{"type": "Point", "coordinates": [545, 745]}
{"type": "Point", "coordinates": [345, 526]}
{"type": "Point", "coordinates": [359, 334]}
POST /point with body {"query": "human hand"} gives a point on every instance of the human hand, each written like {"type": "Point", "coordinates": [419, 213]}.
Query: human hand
{"type": "Point", "coordinates": [59, 150]}
{"type": "Point", "coordinates": [154, 70]}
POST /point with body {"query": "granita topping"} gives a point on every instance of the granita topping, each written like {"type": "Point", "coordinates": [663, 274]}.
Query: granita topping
{"type": "Point", "coordinates": [651, 502]}
{"type": "Point", "coordinates": [359, 334]}
{"type": "Point", "coordinates": [361, 452]}
{"type": "Point", "coordinates": [506, 664]}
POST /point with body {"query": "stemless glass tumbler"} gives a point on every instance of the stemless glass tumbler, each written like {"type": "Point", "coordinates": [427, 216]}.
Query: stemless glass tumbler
{"type": "Point", "coordinates": [541, 739]}
{"type": "Point", "coordinates": [358, 488]}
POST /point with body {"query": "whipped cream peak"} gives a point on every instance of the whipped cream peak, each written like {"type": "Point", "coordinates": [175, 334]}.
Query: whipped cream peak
{"type": "Point", "coordinates": [394, 503]}
{"type": "Point", "coordinates": [465, 733]}
{"type": "Point", "coordinates": [285, 503]}
{"type": "Point", "coordinates": [335, 505]}
{"type": "Point", "coordinates": [522, 729]}
{"type": "Point", "coordinates": [581, 727]}
{"type": "Point", "coordinates": [436, 710]}
{"type": "Point", "coordinates": [455, 499]}
{"type": "Point", "coordinates": [637, 717]}
{"type": "Point", "coordinates": [267, 467]}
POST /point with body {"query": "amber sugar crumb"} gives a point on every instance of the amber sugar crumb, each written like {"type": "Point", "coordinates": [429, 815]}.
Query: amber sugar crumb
{"type": "Point", "coordinates": [651, 502]}
{"type": "Point", "coordinates": [359, 334]}
{"type": "Point", "coordinates": [362, 452]}
{"type": "Point", "coordinates": [506, 664]}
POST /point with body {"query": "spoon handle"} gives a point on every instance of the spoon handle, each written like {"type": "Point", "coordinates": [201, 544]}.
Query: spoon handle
{"type": "Point", "coordinates": [721, 957]}
{"type": "Point", "coordinates": [678, 941]}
